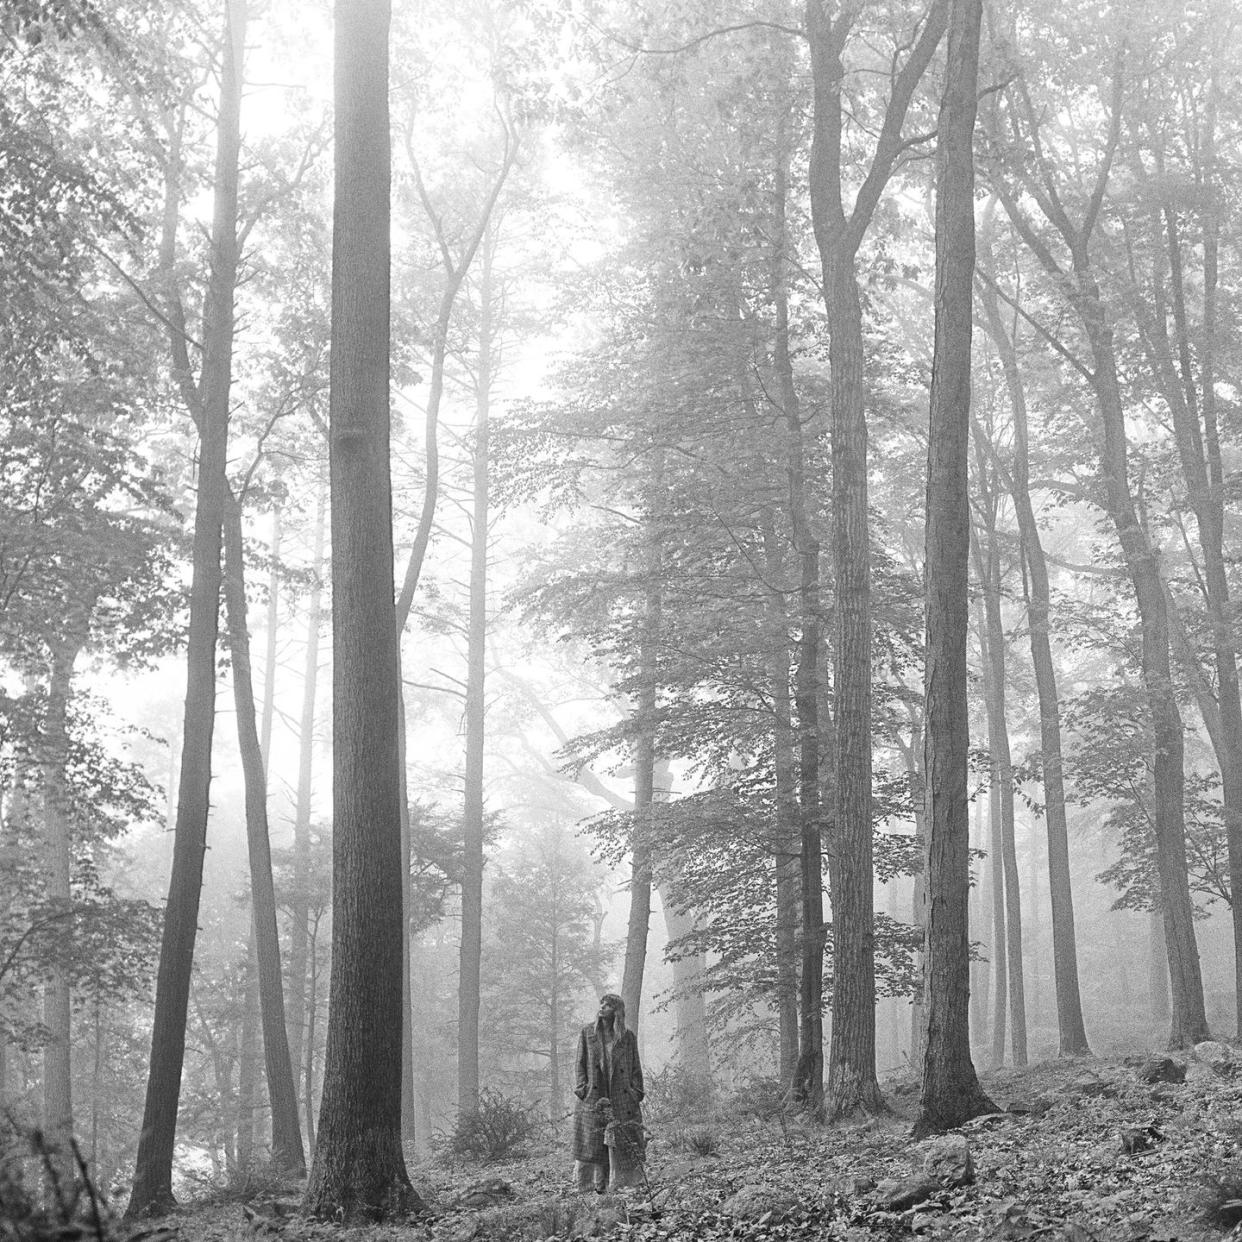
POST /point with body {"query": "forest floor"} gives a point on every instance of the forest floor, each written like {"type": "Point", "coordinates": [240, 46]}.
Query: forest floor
{"type": "Point", "coordinates": [1083, 1150]}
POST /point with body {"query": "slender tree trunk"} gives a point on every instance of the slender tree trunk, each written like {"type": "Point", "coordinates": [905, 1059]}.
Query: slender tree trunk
{"type": "Point", "coordinates": [999, 954]}
{"type": "Point", "coordinates": [951, 1093]}
{"type": "Point", "coordinates": [287, 1154]}
{"type": "Point", "coordinates": [639, 921]}
{"type": "Point", "coordinates": [248, 1039]}
{"type": "Point", "coordinates": [359, 1170]}
{"type": "Point", "coordinates": [690, 1005]}
{"type": "Point", "coordinates": [1198, 444]}
{"type": "Point", "coordinates": [1072, 1032]}
{"type": "Point", "coordinates": [1142, 558]}
{"type": "Point", "coordinates": [979, 991]}
{"type": "Point", "coordinates": [312, 1015]}
{"type": "Point", "coordinates": [299, 898]}
{"type": "Point", "coordinates": [912, 758]}
{"type": "Point", "coordinates": [152, 1190]}
{"type": "Point", "coordinates": [787, 843]}
{"type": "Point", "coordinates": [273, 631]}
{"type": "Point", "coordinates": [471, 958]}
{"type": "Point", "coordinates": [58, 1127]}
{"type": "Point", "coordinates": [1157, 968]}
{"type": "Point", "coordinates": [992, 643]}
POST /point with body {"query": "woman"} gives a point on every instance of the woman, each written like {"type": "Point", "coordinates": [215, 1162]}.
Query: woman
{"type": "Point", "coordinates": [609, 1141]}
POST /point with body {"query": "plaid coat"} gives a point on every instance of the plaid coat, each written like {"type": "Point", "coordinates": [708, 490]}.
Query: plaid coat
{"type": "Point", "coordinates": [624, 1088]}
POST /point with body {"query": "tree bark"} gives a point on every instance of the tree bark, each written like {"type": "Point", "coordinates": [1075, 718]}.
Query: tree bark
{"type": "Point", "coordinates": [787, 843]}
{"type": "Point", "coordinates": [299, 899]}
{"type": "Point", "coordinates": [838, 234]}
{"type": "Point", "coordinates": [471, 956]}
{"type": "Point", "coordinates": [992, 645]}
{"type": "Point", "coordinates": [1071, 1029]}
{"type": "Point", "coordinates": [1082, 291]}
{"type": "Point", "coordinates": [249, 1036]}
{"type": "Point", "coordinates": [639, 920]}
{"type": "Point", "coordinates": [951, 1093]}
{"type": "Point", "coordinates": [287, 1153]}
{"type": "Point", "coordinates": [58, 1125]}
{"type": "Point", "coordinates": [359, 1170]}
{"type": "Point", "coordinates": [152, 1190]}
{"type": "Point", "coordinates": [1000, 956]}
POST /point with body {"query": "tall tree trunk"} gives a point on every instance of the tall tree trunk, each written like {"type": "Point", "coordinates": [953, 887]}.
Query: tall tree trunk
{"type": "Point", "coordinates": [1142, 558]}
{"type": "Point", "coordinates": [312, 1014]}
{"type": "Point", "coordinates": [1000, 939]}
{"type": "Point", "coordinates": [471, 957]}
{"type": "Point", "coordinates": [951, 1093]}
{"type": "Point", "coordinates": [299, 898]}
{"type": "Point", "coordinates": [1071, 1029]}
{"type": "Point", "coordinates": [273, 631]}
{"type": "Point", "coordinates": [912, 759]}
{"type": "Point", "coordinates": [639, 920]}
{"type": "Point", "coordinates": [992, 644]}
{"type": "Point", "coordinates": [979, 990]}
{"type": "Point", "coordinates": [287, 1154]}
{"type": "Point", "coordinates": [359, 1170]}
{"type": "Point", "coordinates": [689, 1005]}
{"type": "Point", "coordinates": [1157, 968]}
{"type": "Point", "coordinates": [838, 234]}
{"type": "Point", "coordinates": [787, 841]}
{"type": "Point", "coordinates": [248, 1038]}
{"type": "Point", "coordinates": [152, 1190]}
{"type": "Point", "coordinates": [57, 990]}
{"type": "Point", "coordinates": [1193, 406]}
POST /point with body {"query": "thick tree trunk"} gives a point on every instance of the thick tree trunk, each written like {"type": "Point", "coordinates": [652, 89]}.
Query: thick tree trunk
{"type": "Point", "coordinates": [951, 1093]}
{"type": "Point", "coordinates": [471, 957]}
{"type": "Point", "coordinates": [838, 234]}
{"type": "Point", "coordinates": [152, 1190]}
{"type": "Point", "coordinates": [359, 1170]}
{"type": "Point", "coordinates": [287, 1154]}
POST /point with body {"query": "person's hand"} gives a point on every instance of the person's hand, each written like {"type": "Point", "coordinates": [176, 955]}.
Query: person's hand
{"type": "Point", "coordinates": [604, 1104]}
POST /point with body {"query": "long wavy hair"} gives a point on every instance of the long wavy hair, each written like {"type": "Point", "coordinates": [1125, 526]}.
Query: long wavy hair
{"type": "Point", "coordinates": [618, 1016]}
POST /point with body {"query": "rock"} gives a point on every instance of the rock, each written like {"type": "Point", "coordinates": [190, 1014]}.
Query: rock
{"type": "Point", "coordinates": [850, 1185]}
{"type": "Point", "coordinates": [604, 1220]}
{"type": "Point", "coordinates": [948, 1162]}
{"type": "Point", "coordinates": [1162, 1069]}
{"type": "Point", "coordinates": [1216, 1056]}
{"type": "Point", "coordinates": [1088, 1085]}
{"type": "Point", "coordinates": [756, 1202]}
{"type": "Point", "coordinates": [487, 1193]}
{"type": "Point", "coordinates": [895, 1194]}
{"type": "Point", "coordinates": [1139, 1138]}
{"type": "Point", "coordinates": [457, 1230]}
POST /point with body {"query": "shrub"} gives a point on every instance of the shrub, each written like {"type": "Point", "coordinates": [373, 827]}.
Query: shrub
{"type": "Point", "coordinates": [497, 1130]}
{"type": "Point", "coordinates": [676, 1092]}
{"type": "Point", "coordinates": [760, 1097]}
{"type": "Point", "coordinates": [701, 1140]}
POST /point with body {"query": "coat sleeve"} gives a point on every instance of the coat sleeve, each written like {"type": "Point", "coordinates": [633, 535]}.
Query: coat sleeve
{"type": "Point", "coordinates": [581, 1079]}
{"type": "Point", "coordinates": [637, 1082]}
